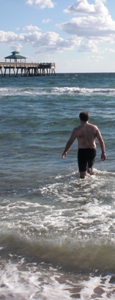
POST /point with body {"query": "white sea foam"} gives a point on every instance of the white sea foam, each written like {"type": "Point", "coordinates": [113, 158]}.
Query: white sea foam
{"type": "Point", "coordinates": [86, 91]}
{"type": "Point", "coordinates": [31, 281]}
{"type": "Point", "coordinates": [55, 90]}
{"type": "Point", "coordinates": [68, 206]}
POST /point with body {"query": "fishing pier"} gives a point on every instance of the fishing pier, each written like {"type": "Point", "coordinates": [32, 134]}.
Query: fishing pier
{"type": "Point", "coordinates": [16, 64]}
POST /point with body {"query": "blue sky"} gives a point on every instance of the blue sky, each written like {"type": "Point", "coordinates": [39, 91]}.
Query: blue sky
{"type": "Point", "coordinates": [78, 35]}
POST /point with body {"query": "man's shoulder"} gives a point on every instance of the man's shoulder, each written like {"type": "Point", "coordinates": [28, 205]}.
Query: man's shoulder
{"type": "Point", "coordinates": [93, 126]}
{"type": "Point", "coordinates": [77, 128]}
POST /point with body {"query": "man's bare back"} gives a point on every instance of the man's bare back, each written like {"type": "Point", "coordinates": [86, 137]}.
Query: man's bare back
{"type": "Point", "coordinates": [86, 135]}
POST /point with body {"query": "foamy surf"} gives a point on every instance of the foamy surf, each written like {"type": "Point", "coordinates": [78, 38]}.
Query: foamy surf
{"type": "Point", "coordinates": [4, 92]}
{"type": "Point", "coordinates": [23, 280]}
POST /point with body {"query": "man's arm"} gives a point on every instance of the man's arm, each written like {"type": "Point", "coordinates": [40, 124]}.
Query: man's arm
{"type": "Point", "coordinates": [102, 145]}
{"type": "Point", "coordinates": [70, 142]}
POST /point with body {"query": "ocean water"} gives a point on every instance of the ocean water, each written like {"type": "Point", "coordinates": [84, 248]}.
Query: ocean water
{"type": "Point", "coordinates": [57, 231]}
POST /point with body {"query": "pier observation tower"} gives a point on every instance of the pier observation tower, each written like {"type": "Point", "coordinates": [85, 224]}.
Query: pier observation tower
{"type": "Point", "coordinates": [15, 57]}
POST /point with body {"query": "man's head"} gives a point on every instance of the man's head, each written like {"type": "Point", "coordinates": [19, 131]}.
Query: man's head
{"type": "Point", "coordinates": [84, 116]}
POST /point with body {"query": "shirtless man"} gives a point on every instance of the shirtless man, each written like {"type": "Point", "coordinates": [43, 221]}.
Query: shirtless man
{"type": "Point", "coordinates": [86, 135]}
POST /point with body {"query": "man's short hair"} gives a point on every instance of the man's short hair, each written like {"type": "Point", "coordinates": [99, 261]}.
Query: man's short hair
{"type": "Point", "coordinates": [84, 116]}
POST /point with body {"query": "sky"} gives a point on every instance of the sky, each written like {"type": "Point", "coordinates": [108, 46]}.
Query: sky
{"type": "Point", "coordinates": [78, 35]}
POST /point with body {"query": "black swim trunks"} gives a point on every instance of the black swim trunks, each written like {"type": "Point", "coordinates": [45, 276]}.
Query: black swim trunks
{"type": "Point", "coordinates": [86, 158]}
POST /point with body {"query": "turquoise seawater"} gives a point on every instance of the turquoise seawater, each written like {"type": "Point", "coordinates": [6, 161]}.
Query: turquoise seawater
{"type": "Point", "coordinates": [57, 232]}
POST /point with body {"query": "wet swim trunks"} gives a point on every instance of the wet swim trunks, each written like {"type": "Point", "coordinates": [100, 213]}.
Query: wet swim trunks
{"type": "Point", "coordinates": [86, 158]}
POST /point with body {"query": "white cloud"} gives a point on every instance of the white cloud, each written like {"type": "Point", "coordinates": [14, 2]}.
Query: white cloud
{"type": "Point", "coordinates": [10, 37]}
{"type": "Point", "coordinates": [96, 58]}
{"type": "Point", "coordinates": [89, 26]}
{"type": "Point", "coordinates": [88, 46]}
{"type": "Point", "coordinates": [31, 28]}
{"type": "Point", "coordinates": [16, 47]}
{"type": "Point", "coordinates": [92, 23]}
{"type": "Point", "coordinates": [41, 3]}
{"type": "Point", "coordinates": [49, 42]}
{"type": "Point", "coordinates": [83, 7]}
{"type": "Point", "coordinates": [109, 50]}
{"type": "Point", "coordinates": [97, 22]}
{"type": "Point", "coordinates": [46, 21]}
